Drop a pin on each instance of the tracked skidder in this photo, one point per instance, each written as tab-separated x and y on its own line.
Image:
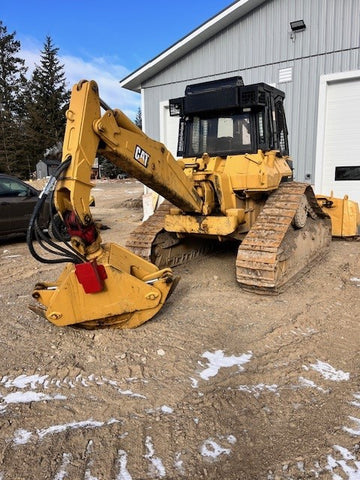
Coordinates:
234	183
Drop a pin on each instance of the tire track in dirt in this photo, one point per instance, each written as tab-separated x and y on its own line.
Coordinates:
160	423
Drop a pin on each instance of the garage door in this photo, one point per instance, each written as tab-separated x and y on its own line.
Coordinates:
340	169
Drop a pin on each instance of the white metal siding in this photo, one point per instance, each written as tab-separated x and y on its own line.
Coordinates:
263	38
168	128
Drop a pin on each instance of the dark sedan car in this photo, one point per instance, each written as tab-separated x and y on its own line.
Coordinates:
17	202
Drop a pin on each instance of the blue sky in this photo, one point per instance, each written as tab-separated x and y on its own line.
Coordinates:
104	41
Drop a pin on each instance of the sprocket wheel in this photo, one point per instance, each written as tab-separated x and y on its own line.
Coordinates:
303	211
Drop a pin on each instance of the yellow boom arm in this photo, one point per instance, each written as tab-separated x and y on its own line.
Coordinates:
118	139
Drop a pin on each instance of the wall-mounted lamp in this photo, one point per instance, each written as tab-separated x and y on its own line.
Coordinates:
297	26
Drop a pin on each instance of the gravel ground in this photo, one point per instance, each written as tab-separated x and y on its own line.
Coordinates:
221	384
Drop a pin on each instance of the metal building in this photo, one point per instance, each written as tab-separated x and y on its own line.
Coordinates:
310	49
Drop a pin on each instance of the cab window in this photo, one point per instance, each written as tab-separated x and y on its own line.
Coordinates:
228	134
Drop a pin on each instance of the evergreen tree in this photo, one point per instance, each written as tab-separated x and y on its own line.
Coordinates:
138	118
47	102
110	170
12	104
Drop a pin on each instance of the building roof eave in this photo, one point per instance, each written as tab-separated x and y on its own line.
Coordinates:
236	10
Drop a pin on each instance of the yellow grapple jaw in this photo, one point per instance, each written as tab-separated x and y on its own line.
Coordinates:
344	214
118	290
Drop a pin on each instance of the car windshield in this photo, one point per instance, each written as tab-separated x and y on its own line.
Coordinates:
12	188
218	135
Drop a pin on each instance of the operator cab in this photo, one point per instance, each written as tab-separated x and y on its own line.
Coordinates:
224	117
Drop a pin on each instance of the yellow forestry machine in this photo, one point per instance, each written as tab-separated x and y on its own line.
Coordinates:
234	183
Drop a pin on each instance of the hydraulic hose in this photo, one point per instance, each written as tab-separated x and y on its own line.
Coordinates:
34	232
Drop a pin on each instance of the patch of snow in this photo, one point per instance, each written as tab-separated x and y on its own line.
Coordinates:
65	462
245	388
218	360
23	381
89	449
228	438
110	382
113	420
257	389
157	468
300	466
179	464
22	436
344	452
305	382
67	381
355	402
213	450
122	464
194	382
28	397
131	394
351	469
36	381
74	425
69	426
353	431
329	372
231	439
166	409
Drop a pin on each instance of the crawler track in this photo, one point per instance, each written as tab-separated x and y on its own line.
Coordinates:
151	242
141	240
274	251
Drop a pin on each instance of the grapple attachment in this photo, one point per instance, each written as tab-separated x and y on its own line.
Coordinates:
118	290
344	214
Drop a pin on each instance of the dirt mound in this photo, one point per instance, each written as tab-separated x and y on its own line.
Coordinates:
131	203
39	184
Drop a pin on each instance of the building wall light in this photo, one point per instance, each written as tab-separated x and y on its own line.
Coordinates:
297	26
